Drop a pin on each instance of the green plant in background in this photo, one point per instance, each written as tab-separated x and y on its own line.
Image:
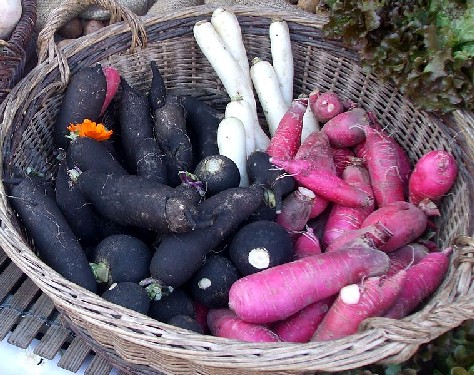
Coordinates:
423	47
450	354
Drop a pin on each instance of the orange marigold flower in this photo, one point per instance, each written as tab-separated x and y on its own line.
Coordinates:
90	129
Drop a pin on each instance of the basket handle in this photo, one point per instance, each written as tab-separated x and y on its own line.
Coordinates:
47	48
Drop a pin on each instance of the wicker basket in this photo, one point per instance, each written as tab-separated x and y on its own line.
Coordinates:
15	56
142	345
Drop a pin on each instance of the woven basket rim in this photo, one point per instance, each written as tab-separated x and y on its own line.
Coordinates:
66	294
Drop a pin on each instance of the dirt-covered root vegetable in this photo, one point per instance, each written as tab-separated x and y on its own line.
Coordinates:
300	327
87	154
374	235
306	244
76	209
287	137
113	79
347	128
422	280
404	220
342	218
296	210
202	122
406	256
177	302
178	256
325	105
136	122
217	173
150	162
171	134
261	171
324	183
157	93
53	238
210	285
128	294
355	303
260	245
224	323
186	322
278	292
137	201
433	176
83	99
316	149
383	163
119	258
342	158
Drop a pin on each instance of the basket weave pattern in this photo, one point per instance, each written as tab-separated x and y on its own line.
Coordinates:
145	346
18	50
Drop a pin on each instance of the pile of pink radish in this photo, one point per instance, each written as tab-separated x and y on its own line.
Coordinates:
360	217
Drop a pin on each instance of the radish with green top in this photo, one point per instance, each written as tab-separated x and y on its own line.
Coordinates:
279	292
267	87
282	57
231	142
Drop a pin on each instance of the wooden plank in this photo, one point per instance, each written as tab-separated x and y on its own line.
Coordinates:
31	324
10	314
53	339
3	256
74	355
98	366
8	279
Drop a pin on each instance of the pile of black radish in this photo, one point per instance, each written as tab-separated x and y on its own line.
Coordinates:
203	220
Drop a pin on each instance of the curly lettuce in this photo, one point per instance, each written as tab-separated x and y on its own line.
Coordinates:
423	47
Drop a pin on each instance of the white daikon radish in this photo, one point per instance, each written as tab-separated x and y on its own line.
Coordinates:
231	143
240	109
10	14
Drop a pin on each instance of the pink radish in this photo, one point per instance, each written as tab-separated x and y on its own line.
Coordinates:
404	220
406	256
383	163
287	138
278	292
325	105
347	128
319	205
224	323
374	235
342	218
356	303
112	77
422	280
343	157
295	210
301	326
306	244
324	183
201	315
433	176
317	150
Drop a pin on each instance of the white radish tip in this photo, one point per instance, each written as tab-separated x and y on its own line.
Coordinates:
350	294
306	192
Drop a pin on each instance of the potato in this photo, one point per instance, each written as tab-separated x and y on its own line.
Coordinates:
92	26
71	30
